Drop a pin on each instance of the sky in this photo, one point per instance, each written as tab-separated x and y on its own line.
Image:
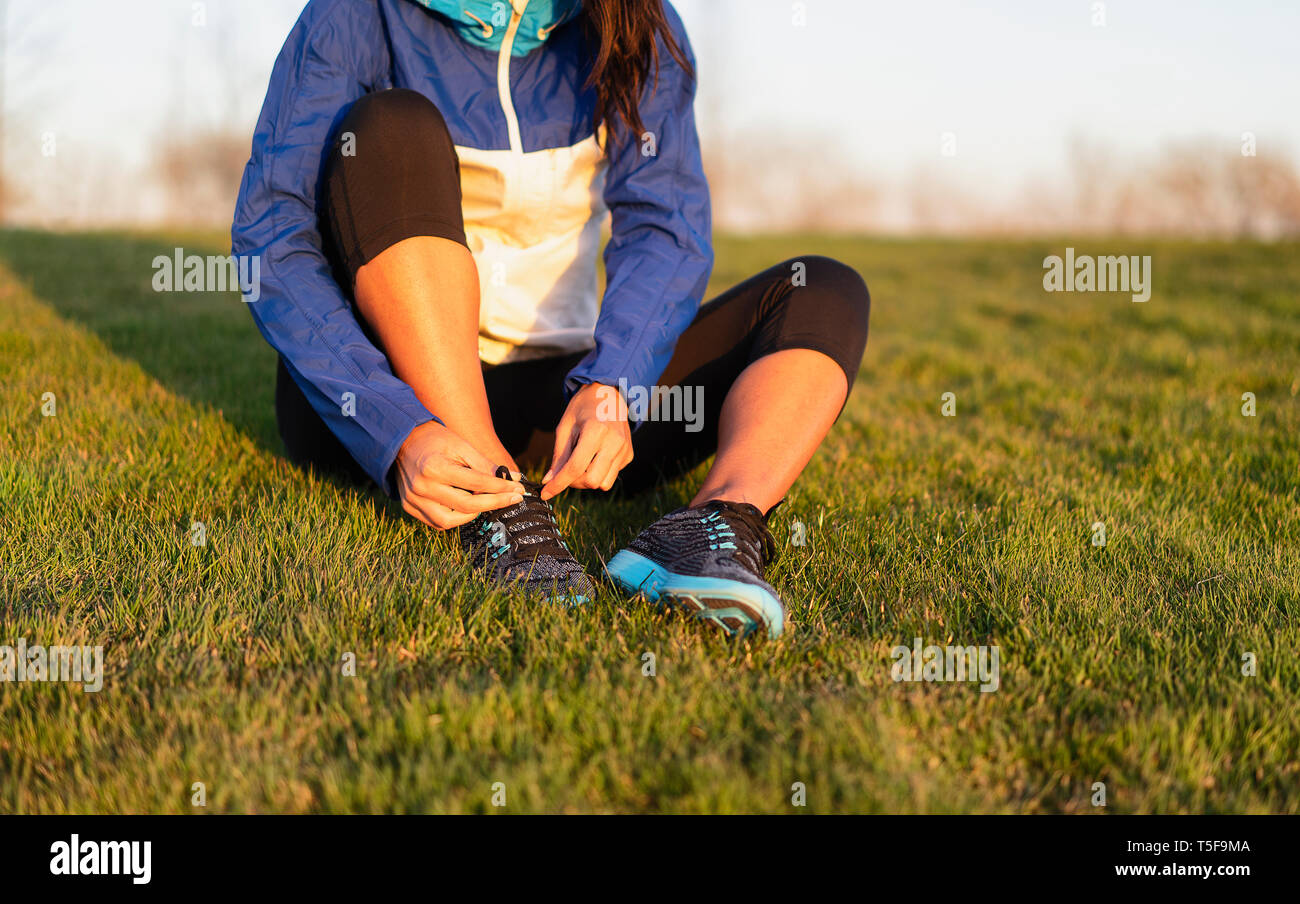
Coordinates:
990	94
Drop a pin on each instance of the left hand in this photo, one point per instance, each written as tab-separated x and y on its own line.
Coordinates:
592	442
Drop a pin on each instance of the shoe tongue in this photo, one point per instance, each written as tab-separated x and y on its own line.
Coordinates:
755	521
532	526
740	508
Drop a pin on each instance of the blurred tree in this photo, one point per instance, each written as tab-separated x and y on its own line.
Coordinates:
30	33
200	155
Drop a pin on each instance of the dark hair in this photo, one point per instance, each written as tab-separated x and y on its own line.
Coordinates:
624	33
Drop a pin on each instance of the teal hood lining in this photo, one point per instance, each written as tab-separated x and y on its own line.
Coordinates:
483	23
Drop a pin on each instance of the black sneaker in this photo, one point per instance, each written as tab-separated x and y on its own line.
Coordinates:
709	559
521	544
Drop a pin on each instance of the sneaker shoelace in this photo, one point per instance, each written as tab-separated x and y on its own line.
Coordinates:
530	528
729	521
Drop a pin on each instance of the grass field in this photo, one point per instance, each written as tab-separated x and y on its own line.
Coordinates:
1120	663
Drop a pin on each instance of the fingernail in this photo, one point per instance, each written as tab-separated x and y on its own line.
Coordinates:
547	476
516	498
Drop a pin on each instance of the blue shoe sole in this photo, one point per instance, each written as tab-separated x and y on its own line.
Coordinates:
736	607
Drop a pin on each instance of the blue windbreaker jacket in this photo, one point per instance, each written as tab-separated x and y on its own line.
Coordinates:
508	78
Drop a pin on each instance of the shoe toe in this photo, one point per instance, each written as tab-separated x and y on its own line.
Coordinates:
555	579
578	587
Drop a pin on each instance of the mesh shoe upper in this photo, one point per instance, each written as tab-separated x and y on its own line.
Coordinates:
718	539
522	543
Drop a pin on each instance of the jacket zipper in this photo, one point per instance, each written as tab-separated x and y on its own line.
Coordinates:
503	75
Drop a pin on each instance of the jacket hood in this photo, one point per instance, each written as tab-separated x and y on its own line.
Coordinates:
484	23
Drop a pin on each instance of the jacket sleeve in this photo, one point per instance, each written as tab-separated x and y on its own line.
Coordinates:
660	251
335	54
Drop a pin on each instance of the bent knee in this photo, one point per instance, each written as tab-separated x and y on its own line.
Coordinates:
826	309
391	174
397	122
837	289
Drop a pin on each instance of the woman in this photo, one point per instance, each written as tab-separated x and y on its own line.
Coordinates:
426	192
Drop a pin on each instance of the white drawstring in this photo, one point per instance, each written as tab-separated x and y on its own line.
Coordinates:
487	29
542	33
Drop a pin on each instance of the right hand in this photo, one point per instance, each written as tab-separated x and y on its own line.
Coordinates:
445	482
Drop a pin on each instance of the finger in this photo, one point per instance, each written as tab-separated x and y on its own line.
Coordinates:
416	511
608	483
624	460
617	458
450	520
604	467
560	454
472	503
473	458
584	447
433	514
583	452
463	477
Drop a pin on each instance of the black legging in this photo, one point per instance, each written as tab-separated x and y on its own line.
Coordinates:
404	181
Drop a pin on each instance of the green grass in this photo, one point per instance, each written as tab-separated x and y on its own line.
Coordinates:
1120	664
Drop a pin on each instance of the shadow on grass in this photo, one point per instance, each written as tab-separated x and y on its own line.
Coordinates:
201	346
